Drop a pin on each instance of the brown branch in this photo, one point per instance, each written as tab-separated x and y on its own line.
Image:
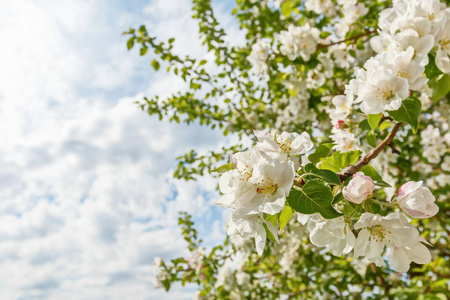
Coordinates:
384	118
352	169
322	46
394	150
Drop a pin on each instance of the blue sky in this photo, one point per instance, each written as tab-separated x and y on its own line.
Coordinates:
87	197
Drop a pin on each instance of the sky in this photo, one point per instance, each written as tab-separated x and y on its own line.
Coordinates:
87	197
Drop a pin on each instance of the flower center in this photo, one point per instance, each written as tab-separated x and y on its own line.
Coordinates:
403	73
247	172
445	42
285	145
379	233
386	93
431	16
267	187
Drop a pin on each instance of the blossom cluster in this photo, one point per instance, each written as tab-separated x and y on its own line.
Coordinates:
160	273
409	30
376	231
260	181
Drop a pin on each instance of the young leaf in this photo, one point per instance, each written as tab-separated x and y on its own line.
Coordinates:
373	121
326	175
368	170
339	161
409	112
371	139
130	42
224	168
269	233
338	198
144	50
272	219
285	216
155	64
322	151
314	197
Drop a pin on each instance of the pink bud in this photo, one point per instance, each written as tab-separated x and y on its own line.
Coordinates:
358	188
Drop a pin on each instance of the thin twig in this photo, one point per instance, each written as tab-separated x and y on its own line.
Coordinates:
394	150
322	46
352	169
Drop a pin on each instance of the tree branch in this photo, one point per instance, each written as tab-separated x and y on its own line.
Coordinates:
322	46
352	169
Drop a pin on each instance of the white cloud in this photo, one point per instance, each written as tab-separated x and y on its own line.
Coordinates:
85	181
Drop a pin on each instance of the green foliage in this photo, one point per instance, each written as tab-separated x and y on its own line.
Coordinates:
374	120
322	151
230	99
368	170
338	161
440	85
328	176
314	197
409	112
188	231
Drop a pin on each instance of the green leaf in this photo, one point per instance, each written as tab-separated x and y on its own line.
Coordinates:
130	42
269	234
166	284
440	85
287	8
338	198
371	139
155	64
373	121
285	216
144	50
314	197
339	161
224	168
324	34
408	112
322	151
326	175
272	219
202	62
370	171
385	125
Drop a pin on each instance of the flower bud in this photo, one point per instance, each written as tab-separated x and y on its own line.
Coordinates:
358	188
339	124
416	200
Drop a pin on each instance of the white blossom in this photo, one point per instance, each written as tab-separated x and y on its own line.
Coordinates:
266	190
325	7
446	164
416	200
395	232
159	273
298	41
224	276
384	92
443	49
334	234
258	58
344	141
284	146
251	226
404	66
